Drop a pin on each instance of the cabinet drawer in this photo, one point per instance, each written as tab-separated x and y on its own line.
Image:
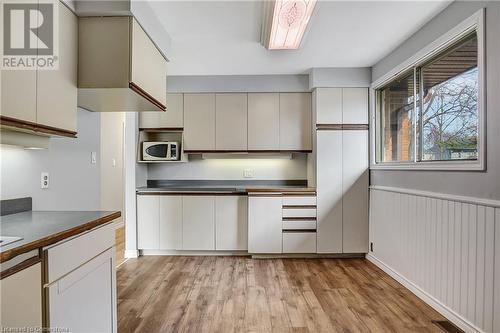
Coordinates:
299	242
299	212
299	225
299	200
67	256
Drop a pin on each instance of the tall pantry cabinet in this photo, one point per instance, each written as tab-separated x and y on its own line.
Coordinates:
340	169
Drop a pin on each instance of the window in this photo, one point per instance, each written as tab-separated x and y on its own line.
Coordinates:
430	114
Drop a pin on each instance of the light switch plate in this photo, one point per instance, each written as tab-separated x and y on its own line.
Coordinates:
248	173
44	180
93	157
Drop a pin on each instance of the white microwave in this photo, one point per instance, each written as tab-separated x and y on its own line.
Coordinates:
160	151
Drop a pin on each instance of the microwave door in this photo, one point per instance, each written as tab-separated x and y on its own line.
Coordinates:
158	151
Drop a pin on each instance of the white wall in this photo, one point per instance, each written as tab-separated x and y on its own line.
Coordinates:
74	181
112	177
219	169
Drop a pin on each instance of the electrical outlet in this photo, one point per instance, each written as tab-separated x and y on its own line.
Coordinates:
44	180
248	173
93	157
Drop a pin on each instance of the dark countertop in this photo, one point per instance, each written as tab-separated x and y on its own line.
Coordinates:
223	187
42	228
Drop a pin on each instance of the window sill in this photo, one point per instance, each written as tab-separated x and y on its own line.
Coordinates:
431	166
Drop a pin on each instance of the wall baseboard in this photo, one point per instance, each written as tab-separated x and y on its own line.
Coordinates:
434	303
131	254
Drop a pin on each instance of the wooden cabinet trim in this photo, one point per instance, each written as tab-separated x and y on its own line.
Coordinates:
30	126
19	267
147	96
340	127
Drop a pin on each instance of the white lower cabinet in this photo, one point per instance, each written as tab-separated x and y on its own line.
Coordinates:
198	222
231	223
81	282
85	299
170	226
148	222
265	224
299	242
21	298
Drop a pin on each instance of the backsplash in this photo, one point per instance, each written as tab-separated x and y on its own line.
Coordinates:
233	169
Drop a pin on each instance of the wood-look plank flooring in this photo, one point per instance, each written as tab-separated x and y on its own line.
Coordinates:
120	245
239	294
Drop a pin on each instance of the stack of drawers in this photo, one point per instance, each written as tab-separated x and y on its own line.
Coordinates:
299	222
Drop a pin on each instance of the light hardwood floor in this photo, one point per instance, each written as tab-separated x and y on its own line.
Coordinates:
120	245
239	294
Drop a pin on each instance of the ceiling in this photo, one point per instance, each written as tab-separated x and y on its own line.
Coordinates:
223	37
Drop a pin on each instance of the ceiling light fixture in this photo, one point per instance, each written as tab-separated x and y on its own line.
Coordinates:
284	23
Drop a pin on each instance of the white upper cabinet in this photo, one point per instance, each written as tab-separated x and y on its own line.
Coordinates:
231	223
57	89
149	67
355	105
231	121
199	121
47	99
263	121
119	67
295	121
173	118
198	225
328	105
19	94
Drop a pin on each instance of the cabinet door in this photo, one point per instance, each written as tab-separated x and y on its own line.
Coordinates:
231	121
170	222
231	223
355	191
148	222
295	121
199	121
263	121
57	89
21	298
328	102
355	105
91	290
264	224
19	94
172	118
198	223
149	67
329	191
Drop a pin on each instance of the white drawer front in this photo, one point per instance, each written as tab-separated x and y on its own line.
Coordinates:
67	256
300	212
299	242
299	201
299	225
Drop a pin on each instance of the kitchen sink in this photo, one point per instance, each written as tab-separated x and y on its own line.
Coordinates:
5	240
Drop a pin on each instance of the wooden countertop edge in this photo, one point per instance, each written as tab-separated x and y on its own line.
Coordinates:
54	238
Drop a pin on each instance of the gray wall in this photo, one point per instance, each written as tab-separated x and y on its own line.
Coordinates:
475	184
74	181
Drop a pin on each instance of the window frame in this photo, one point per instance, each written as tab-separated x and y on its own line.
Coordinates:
474	23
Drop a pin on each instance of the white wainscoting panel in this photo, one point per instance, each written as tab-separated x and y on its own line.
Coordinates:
447	251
